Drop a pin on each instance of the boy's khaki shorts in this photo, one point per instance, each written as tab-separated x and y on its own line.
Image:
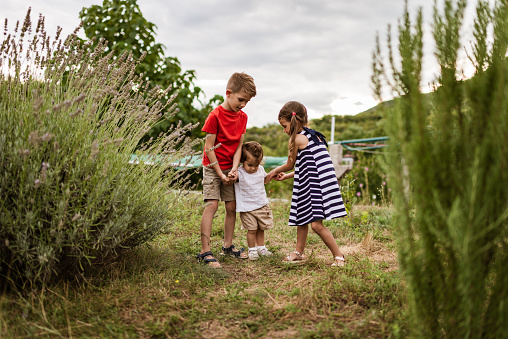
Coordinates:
261	218
214	189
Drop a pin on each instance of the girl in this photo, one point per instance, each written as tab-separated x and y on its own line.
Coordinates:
316	194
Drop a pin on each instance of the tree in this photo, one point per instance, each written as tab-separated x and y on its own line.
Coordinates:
121	23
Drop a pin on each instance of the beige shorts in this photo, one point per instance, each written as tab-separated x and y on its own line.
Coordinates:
261	218
214	189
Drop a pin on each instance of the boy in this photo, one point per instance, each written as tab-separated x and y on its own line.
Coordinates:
225	128
251	200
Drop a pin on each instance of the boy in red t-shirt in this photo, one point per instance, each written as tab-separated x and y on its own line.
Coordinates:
225	127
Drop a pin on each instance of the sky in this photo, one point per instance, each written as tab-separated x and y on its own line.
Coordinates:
317	52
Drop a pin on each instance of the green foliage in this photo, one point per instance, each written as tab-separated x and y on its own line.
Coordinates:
70	122
448	171
121	23
371	183
348	192
363	125
271	137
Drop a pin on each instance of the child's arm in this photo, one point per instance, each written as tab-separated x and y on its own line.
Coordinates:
267	179
301	142
210	153
233	174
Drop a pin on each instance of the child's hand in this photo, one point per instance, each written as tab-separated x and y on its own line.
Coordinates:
233	175
281	176
270	175
225	180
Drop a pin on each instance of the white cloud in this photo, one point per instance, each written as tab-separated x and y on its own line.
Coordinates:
314	51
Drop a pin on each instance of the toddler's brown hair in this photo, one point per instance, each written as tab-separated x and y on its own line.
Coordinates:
254	149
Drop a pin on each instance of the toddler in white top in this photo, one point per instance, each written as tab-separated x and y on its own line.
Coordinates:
251	201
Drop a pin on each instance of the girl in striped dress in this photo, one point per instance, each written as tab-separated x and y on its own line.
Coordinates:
316	193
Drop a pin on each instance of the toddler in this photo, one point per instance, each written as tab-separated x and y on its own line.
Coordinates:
251	200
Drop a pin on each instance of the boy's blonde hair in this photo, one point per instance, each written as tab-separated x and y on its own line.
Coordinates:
241	82
254	149
296	114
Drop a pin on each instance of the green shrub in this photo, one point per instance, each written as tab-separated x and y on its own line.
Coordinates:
371	182
449	174
71	119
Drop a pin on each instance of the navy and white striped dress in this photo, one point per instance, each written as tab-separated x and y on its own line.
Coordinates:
316	193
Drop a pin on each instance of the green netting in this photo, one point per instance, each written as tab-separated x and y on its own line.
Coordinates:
195	161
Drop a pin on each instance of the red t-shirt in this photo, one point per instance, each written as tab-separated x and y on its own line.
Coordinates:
228	126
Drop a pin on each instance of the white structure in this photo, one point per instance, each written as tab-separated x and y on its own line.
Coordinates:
341	165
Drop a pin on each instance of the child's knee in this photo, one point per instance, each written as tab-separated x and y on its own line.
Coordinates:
230	206
211	205
317	227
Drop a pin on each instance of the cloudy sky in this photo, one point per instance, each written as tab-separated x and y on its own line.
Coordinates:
317	52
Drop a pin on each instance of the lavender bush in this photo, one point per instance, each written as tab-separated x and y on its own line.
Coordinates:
71	118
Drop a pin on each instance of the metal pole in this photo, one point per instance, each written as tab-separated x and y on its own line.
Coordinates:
333	129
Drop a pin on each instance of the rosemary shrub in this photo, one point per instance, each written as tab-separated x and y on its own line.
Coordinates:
449	172
71	119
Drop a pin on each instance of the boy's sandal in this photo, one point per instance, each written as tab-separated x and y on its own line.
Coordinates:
207	261
236	254
339	262
300	258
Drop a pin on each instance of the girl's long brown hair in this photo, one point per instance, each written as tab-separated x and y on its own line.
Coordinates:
297	121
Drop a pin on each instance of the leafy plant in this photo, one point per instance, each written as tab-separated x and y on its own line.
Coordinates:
449	173
348	192
371	182
71	120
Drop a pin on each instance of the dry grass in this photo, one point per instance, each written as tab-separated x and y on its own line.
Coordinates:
161	291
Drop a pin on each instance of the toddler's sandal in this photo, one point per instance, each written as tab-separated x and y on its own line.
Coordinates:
300	258
212	262
339	262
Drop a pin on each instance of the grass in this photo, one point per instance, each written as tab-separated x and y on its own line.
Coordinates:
159	289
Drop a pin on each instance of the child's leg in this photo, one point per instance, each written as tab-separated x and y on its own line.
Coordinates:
251	238
301	239
229	223
327	237
251	242
229	227
260	238
206	223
